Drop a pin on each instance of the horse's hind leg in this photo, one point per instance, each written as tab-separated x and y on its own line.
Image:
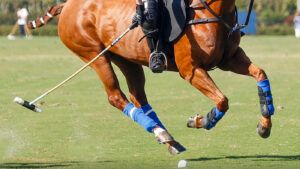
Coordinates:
136	82
241	64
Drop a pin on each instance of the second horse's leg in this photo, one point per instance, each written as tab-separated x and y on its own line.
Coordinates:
241	64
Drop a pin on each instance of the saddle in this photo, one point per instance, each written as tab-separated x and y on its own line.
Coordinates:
173	20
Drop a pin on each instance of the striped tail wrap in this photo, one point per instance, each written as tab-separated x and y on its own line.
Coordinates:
51	13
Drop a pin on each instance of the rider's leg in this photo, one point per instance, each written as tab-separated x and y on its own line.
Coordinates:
151	29
241	64
139	15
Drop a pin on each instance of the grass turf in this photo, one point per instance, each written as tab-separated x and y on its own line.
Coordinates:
79	129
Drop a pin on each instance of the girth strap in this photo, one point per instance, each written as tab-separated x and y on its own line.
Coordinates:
218	18
208	20
203	21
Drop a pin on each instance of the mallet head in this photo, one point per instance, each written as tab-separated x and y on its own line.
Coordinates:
27	104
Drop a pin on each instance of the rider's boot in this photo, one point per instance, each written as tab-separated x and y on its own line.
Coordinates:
157	59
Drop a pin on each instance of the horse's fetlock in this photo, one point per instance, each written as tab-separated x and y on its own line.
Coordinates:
116	100
223	104
260	75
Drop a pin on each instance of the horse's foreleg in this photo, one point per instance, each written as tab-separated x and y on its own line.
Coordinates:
135	78
116	97
241	64
201	80
104	70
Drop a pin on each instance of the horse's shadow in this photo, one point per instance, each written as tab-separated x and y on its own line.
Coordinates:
252	157
47	165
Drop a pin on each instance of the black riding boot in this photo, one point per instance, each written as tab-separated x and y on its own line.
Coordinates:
157	61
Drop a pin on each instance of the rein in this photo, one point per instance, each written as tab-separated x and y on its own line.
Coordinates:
219	18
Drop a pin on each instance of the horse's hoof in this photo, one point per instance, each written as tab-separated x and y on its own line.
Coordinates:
163	137
195	121
175	148
263	131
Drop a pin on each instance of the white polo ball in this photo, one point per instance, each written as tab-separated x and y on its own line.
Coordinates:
182	164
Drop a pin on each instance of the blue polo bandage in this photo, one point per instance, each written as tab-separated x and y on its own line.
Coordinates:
147	109
212	118
265	97
139	117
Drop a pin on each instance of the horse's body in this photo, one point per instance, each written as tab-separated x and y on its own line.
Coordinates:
88	26
107	19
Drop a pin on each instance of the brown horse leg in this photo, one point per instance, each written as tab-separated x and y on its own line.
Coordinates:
135	78
104	70
116	97
241	64
201	80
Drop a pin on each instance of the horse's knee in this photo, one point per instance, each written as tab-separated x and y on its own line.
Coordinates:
117	100
223	105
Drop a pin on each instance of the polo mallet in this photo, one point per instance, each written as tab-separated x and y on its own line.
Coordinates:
31	105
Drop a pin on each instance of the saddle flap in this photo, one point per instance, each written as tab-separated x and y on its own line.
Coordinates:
174	19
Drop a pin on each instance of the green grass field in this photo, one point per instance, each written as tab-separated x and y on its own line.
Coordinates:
79	129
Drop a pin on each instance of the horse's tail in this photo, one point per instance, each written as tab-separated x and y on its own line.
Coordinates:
41	21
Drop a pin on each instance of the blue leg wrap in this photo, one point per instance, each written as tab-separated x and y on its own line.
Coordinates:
139	117
147	109
265	97
212	118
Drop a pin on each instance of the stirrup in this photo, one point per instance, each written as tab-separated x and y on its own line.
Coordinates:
195	121
158	68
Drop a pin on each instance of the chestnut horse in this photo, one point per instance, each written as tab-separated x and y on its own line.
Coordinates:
87	26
